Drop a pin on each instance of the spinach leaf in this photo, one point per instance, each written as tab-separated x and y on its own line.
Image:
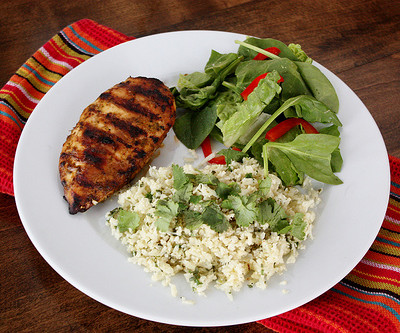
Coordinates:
293	84
284	167
330	130
193	127
298	100
311	154
336	160
313	111
248	70
319	84
264	43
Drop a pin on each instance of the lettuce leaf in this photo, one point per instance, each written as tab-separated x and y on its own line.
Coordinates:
197	88
246	113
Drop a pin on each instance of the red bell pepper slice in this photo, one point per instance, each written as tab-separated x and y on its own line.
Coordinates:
277	131
207	150
206	146
218	160
245	93
273	50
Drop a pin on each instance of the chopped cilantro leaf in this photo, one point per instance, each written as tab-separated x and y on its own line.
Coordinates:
262	192
224	190
180	178
166	212
264	186
149	196
273	214
245	212
127	220
298	226
226	204
213	217
208	179
283	227
232	155
195	276
163	223
184	193
192	219
195	199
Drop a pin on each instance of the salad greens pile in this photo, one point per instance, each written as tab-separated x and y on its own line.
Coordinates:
243	99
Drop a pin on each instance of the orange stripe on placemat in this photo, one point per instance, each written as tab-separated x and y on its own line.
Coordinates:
60	68
9	117
19	81
391	224
378	258
361	271
43	74
394	206
62	54
15	100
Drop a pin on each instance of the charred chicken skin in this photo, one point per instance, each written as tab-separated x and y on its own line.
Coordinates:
114	139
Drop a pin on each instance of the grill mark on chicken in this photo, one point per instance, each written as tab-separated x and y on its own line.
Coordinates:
113	140
124	125
130	105
156	95
98	135
154	138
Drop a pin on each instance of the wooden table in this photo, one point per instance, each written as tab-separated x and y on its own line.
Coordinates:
359	40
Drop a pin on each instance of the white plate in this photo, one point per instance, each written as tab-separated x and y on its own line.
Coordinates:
81	249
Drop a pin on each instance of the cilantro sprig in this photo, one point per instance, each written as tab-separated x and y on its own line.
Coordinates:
126	219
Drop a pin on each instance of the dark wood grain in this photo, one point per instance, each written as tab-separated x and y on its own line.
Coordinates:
358	40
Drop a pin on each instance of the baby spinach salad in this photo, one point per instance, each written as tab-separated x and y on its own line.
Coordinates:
267	101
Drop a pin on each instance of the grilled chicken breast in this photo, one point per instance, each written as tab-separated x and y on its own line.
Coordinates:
114	139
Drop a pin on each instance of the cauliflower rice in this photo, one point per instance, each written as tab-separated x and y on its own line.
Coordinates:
227	260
